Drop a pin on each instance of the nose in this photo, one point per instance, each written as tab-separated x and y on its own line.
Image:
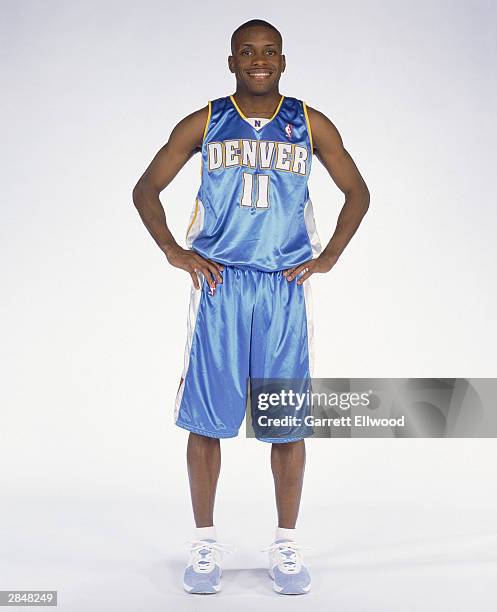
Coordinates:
259	58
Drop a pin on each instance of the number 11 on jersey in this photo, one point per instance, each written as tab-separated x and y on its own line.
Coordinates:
262	197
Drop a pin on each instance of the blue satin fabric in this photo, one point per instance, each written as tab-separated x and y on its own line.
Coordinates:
269	239
253	326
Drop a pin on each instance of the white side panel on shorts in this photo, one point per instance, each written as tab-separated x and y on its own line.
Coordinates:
309	310
195	296
196	222
312	232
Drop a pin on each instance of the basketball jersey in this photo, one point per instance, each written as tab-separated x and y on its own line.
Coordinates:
253	207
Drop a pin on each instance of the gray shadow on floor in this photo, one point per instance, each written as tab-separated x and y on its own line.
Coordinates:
166	576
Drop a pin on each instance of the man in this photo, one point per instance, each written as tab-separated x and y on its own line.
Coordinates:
252	247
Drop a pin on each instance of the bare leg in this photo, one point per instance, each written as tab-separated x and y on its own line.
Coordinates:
204	464
288	465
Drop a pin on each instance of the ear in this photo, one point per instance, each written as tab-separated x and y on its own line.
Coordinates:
283	63
231	63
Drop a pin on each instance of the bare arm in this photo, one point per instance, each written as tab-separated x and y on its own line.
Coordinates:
329	149
185	140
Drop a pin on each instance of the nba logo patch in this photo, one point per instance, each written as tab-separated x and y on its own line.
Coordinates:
288	131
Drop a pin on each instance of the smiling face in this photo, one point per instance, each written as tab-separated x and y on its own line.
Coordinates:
257	60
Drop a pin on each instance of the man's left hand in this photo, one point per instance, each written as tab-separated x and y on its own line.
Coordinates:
323	263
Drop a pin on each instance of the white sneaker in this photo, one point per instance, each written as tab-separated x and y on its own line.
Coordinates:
203	572
286	568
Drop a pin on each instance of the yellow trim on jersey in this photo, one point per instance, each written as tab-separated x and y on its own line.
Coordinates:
209	112
247	119
308	125
208	120
194	217
277	108
238	109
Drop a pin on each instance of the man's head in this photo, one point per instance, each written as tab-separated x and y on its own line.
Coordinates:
256	56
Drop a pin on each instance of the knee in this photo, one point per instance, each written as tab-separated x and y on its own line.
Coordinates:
202	445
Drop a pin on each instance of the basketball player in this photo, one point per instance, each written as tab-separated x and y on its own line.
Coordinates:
252	246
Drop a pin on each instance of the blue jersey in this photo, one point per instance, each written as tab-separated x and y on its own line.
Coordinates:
253	207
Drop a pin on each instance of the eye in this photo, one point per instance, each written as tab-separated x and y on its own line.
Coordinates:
246	52
271	51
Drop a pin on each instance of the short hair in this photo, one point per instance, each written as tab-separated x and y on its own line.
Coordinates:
253	23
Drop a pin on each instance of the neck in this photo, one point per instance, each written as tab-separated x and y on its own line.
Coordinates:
262	105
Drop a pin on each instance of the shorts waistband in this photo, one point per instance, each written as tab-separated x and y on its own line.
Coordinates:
249	268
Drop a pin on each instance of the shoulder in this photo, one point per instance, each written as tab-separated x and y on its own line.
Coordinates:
196	119
292	103
318	119
191	128
323	129
194	126
221	102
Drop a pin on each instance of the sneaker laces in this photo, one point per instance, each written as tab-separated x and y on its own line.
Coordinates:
203	553
288	553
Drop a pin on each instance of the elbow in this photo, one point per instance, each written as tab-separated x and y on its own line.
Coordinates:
143	193
138	195
135	194
366	199
359	196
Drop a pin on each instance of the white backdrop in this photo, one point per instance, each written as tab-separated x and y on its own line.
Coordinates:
94	490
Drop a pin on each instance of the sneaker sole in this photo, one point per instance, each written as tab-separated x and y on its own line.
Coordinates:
214	589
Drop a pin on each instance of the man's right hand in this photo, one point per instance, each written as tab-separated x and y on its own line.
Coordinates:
192	262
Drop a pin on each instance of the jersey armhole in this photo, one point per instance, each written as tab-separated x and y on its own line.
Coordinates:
308	126
209	113
208	120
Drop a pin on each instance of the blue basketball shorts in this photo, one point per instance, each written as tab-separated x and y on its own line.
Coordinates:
256	325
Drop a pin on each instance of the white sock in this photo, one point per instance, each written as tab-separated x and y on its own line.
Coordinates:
204	533
284	534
